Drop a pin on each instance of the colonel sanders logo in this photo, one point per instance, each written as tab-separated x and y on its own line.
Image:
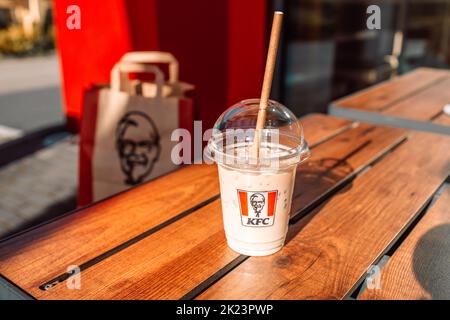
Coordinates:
257	208
137	145
257	202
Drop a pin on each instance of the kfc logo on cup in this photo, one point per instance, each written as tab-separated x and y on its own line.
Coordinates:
257	207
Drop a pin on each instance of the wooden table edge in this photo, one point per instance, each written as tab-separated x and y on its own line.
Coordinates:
395	78
381	119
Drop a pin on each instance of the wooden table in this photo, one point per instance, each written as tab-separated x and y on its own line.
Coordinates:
367	193
415	101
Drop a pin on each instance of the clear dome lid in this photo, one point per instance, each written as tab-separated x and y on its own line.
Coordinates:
281	140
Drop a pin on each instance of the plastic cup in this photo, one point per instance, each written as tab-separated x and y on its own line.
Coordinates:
256	192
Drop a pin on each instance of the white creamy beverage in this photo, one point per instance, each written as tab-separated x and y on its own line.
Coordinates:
256	208
256	186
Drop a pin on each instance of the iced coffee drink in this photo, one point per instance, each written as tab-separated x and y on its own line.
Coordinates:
256	194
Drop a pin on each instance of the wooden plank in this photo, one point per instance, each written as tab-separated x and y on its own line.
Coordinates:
330	250
319	127
423	106
45	252
419	268
178	258
381	96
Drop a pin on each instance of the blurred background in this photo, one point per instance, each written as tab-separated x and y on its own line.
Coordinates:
45	69
328	48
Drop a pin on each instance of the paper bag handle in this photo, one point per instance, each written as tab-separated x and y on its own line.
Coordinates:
155	57
122	68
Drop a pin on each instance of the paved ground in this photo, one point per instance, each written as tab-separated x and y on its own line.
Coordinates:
42	185
38	187
30	94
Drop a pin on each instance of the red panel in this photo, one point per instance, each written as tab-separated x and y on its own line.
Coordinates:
247	49
87	144
87	55
196	33
221	48
220	45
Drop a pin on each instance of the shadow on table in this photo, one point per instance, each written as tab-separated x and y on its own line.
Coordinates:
315	181
431	262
